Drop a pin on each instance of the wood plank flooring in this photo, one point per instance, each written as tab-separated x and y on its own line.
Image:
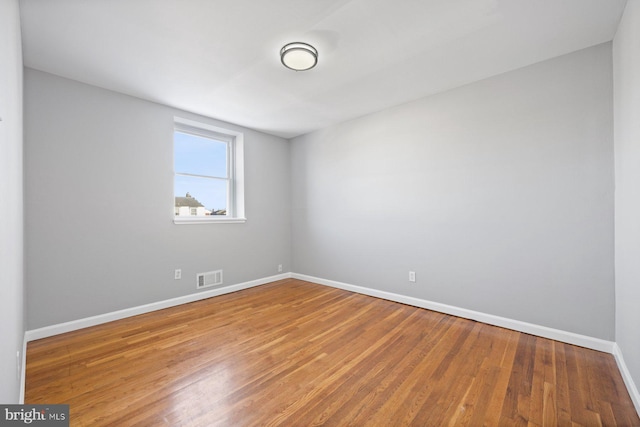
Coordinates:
294	353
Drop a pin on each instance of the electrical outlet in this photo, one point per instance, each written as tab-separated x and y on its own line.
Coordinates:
178	274
412	276
279	268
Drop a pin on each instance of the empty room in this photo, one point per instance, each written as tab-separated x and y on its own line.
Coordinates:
320	212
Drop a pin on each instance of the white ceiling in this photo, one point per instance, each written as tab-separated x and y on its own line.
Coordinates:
220	58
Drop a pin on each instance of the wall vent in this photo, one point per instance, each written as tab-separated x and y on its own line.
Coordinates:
210	278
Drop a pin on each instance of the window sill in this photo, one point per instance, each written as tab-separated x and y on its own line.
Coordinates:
208	220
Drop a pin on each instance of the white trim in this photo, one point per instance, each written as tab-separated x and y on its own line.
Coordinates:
626	376
208	220
516	325
235	170
74	325
23	370
195	124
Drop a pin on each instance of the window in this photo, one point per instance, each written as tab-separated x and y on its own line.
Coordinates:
208	173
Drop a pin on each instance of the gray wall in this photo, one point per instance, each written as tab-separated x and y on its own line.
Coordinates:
627	202
499	195
11	201
99	197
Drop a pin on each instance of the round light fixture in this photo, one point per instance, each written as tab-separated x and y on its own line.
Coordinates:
299	56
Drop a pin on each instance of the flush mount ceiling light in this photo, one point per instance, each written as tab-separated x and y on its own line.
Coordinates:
299	56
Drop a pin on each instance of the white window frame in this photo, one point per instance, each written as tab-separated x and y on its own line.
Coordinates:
235	171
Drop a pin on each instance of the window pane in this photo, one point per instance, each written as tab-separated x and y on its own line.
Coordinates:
199	156
207	196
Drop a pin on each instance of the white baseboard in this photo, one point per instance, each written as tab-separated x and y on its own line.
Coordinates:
626	376
23	369
529	328
73	325
516	325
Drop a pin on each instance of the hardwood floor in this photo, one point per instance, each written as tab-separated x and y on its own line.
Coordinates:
295	353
